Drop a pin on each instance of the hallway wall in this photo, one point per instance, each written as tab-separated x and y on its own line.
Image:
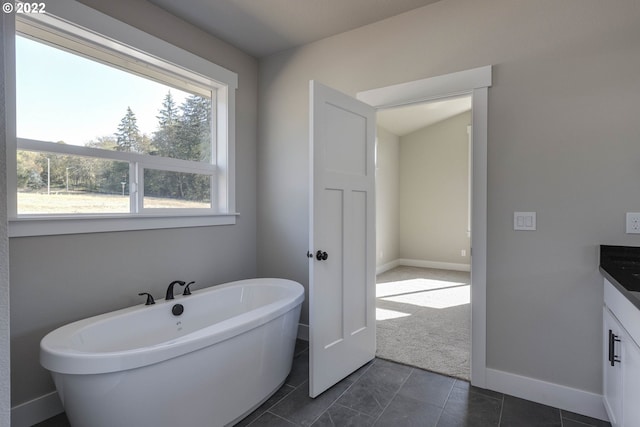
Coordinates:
434	186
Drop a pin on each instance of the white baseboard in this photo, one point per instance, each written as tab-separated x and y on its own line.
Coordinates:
37	410
422	263
303	332
387	266
434	264
559	396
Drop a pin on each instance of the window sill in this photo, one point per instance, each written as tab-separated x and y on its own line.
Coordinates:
25	227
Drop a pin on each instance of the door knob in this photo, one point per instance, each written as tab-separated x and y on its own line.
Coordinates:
321	256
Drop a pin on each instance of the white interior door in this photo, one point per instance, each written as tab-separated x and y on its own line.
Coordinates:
341	237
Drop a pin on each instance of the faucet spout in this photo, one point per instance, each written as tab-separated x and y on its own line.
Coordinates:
170	288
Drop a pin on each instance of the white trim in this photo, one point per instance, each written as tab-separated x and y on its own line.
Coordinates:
303	332
474	82
429	89
469	178
479	130
104	25
434	264
9	35
78	18
94	47
551	394
387	266
422	263
6	49
147	160
99	224
37	410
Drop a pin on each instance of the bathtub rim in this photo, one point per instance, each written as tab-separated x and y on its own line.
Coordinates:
61	359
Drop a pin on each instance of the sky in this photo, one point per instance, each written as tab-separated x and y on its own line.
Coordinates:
65	97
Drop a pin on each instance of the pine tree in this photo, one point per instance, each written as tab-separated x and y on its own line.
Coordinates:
183	132
128	136
168	115
164	138
195	129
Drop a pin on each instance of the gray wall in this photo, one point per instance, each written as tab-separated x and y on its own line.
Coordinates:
387	196
563	140
5	394
434	185
58	279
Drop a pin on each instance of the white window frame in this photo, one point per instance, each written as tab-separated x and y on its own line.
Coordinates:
139	45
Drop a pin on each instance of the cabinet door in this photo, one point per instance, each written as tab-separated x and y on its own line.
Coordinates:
612	375
631	383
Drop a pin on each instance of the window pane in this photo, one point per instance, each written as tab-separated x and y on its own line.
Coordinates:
171	190
63	184
82	101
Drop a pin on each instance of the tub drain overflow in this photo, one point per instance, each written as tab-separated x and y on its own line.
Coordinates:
177	309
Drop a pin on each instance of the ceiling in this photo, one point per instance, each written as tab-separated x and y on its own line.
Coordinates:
406	119
263	27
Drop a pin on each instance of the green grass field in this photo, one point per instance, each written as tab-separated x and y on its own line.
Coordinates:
62	202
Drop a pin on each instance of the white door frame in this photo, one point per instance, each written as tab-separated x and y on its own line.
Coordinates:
474	82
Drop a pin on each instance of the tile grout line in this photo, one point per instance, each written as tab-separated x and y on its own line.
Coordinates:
447	400
562	418
350	409
393	397
501	410
275	415
283	397
341	394
268	409
271	407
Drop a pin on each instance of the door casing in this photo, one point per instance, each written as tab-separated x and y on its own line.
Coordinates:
474	82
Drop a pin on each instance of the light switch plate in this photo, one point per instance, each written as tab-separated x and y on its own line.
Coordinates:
633	222
524	220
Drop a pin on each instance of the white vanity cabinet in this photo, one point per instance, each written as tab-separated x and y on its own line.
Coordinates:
612	372
631	385
621	371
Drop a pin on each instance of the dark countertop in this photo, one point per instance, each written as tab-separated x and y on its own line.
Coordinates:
621	266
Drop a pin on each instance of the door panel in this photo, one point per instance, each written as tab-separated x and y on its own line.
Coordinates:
332	297
347	158
356	259
342	224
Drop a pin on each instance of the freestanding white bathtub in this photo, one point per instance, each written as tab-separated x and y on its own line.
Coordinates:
229	351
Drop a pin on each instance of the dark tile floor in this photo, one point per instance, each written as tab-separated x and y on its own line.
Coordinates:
384	393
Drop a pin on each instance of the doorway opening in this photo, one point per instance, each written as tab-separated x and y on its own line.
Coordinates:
474	82
423	228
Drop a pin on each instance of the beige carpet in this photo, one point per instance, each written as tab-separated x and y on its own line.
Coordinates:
423	319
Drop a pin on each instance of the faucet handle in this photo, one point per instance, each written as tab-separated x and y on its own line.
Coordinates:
187	291
150	300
